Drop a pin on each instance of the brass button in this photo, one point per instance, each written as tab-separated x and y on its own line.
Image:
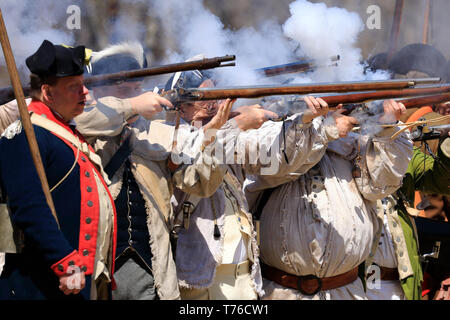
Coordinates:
88	220
84	268
85	252
71	263
87	174
83	159
60	267
90	203
87	237
89	189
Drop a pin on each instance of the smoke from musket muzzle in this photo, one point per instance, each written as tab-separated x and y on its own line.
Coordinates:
323	32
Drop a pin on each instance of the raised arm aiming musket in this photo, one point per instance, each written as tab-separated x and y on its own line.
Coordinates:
7	94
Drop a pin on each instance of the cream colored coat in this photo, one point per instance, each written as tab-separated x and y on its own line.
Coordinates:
320	220
102	125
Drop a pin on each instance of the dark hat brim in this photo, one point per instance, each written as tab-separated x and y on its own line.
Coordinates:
58	61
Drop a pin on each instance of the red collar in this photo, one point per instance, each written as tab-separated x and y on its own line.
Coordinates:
42	109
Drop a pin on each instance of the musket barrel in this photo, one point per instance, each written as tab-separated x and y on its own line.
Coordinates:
417	102
335	100
303	65
425	101
202	94
158	70
7	94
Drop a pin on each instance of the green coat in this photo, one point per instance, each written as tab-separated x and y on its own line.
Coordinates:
430	176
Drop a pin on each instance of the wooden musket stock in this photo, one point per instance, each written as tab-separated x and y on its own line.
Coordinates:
203	94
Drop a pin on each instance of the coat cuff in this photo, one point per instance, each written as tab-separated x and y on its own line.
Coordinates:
61	268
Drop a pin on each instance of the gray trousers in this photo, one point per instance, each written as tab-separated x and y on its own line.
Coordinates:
133	283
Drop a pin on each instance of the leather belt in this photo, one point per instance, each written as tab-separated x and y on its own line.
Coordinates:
234	269
308	285
387	273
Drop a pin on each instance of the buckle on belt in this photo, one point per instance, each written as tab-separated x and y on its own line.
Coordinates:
314	289
188	207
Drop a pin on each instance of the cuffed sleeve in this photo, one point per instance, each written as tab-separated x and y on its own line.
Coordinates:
65	265
383	164
200	171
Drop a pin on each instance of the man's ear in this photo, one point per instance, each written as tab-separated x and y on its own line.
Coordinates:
181	111
47	94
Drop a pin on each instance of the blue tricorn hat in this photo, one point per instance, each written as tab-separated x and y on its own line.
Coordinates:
116	58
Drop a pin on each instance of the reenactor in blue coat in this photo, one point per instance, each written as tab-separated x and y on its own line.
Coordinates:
72	260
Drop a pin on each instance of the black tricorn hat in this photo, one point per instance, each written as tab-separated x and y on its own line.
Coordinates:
56	60
418	57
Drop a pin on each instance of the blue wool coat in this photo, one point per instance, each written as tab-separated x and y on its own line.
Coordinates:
32	274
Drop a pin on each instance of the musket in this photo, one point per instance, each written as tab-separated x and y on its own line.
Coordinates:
181	95
304	65
425	101
425	133
203	64
364	97
7	94
423	97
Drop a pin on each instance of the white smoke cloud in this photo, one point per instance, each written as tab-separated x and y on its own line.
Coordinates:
196	30
29	22
320	33
324	32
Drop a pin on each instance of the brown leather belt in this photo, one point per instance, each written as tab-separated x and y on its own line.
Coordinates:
387	273
310	284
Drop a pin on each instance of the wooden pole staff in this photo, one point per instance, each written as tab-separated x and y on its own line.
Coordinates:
426	22
25	117
395	31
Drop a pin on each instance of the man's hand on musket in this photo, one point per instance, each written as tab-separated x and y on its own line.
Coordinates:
72	283
444	291
149	104
344	123
217	121
393	111
443	109
317	106
253	117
